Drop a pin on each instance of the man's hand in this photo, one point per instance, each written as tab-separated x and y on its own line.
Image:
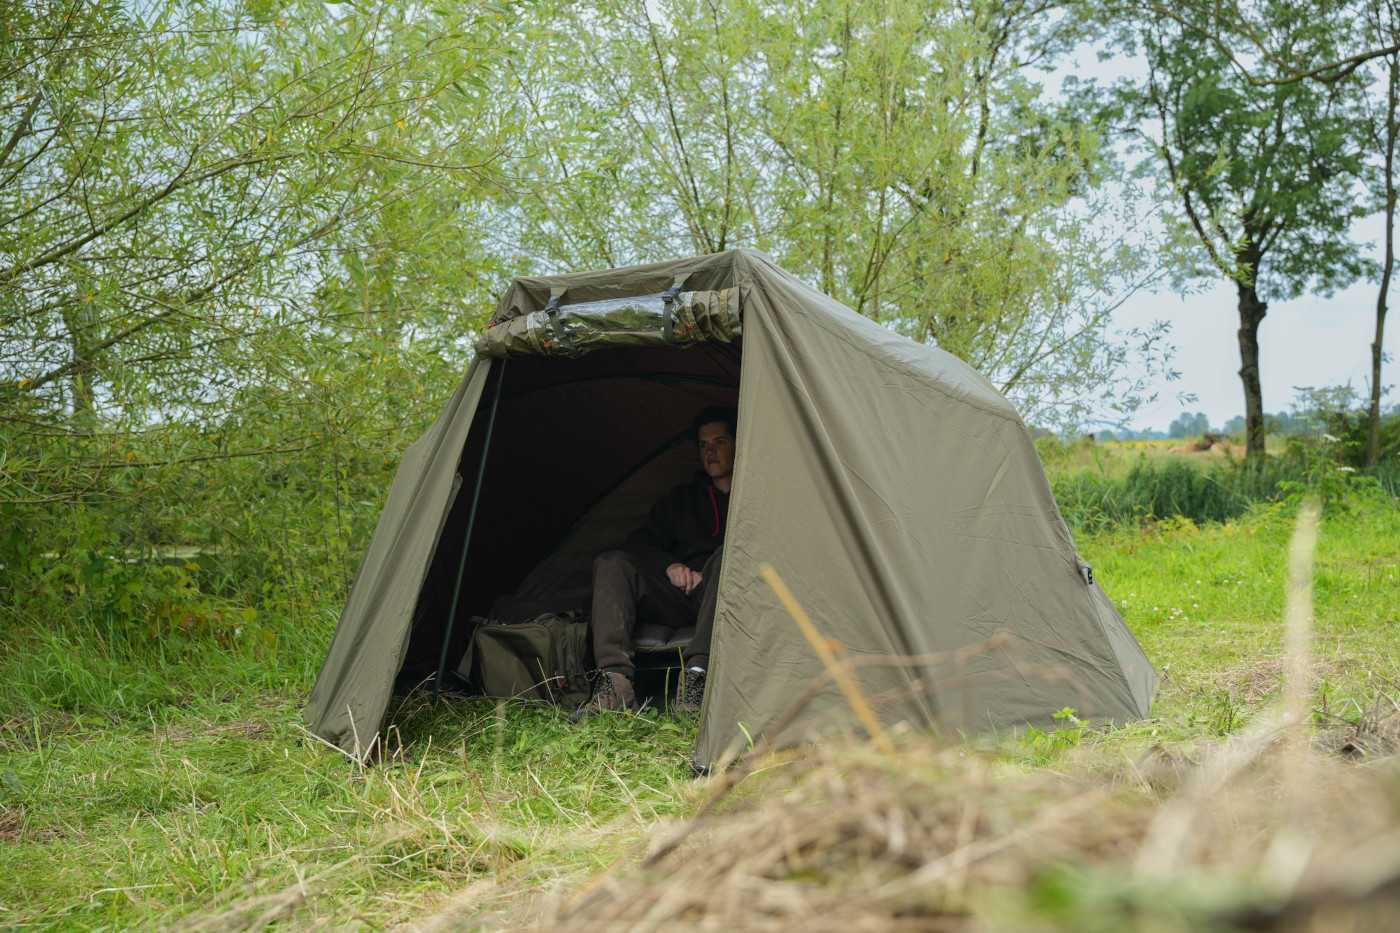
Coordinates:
682	577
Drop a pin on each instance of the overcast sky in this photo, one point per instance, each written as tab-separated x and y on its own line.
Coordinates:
1309	342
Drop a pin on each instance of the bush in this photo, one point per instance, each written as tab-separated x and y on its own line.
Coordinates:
1334	423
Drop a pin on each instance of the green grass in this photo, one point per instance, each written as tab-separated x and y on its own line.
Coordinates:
139	787
128	826
142	785
1206	603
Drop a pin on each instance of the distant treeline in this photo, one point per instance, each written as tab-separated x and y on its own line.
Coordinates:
1336	411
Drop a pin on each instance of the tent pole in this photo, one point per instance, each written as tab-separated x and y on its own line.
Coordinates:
467	538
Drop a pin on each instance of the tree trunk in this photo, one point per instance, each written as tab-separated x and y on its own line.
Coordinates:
80	381
1373	439
1252	312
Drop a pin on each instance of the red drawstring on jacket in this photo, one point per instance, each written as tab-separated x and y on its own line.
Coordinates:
715	506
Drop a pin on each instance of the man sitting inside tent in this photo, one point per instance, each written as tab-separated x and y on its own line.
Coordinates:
668	574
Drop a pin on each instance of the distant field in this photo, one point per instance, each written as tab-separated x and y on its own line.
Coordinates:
1113	458
176	790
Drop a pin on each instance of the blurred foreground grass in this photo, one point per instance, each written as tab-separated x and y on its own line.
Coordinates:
175	789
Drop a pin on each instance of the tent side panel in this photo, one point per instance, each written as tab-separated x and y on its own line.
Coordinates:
910	515
352	691
1143	679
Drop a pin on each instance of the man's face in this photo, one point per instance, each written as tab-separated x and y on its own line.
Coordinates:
716	450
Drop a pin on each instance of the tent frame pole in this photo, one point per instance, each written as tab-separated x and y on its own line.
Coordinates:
467	538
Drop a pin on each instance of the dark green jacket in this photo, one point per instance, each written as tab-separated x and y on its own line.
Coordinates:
686	526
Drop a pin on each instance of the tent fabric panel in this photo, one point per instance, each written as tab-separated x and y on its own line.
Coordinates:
1143	679
906	522
348	702
638	321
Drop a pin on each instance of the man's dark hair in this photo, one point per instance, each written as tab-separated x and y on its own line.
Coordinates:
730	417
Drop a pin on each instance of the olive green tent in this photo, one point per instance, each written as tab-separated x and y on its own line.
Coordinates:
896	492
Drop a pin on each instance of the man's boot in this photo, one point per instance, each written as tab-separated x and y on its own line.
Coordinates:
691	695
612	693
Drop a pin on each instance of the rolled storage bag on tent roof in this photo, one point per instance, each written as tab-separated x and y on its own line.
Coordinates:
662	319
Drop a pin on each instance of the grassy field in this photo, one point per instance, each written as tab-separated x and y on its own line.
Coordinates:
177	790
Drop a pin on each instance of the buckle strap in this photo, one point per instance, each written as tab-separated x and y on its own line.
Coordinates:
554	295
668	305
551	309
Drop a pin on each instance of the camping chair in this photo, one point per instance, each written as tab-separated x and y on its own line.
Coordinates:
657	648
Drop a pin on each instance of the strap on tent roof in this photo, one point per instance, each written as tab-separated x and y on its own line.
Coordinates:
668	303
566	340
673	318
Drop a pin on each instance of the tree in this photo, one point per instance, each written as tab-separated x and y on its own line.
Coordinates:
896	156
1262	178
1382	18
1247	35
1264	56
178	183
232	286
1189	425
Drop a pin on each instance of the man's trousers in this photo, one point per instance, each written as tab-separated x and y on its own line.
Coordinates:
625	592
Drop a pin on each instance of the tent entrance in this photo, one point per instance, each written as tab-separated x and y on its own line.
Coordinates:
581	449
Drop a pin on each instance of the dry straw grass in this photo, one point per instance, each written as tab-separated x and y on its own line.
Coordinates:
851	838
1265	830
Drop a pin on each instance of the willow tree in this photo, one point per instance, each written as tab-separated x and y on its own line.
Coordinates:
898	156
188	192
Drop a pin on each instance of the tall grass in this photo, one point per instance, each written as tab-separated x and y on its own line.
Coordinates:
92	665
1154	489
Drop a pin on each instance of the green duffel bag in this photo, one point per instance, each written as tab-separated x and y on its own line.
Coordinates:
546	658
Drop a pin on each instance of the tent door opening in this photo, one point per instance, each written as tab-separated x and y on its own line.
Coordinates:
580	450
